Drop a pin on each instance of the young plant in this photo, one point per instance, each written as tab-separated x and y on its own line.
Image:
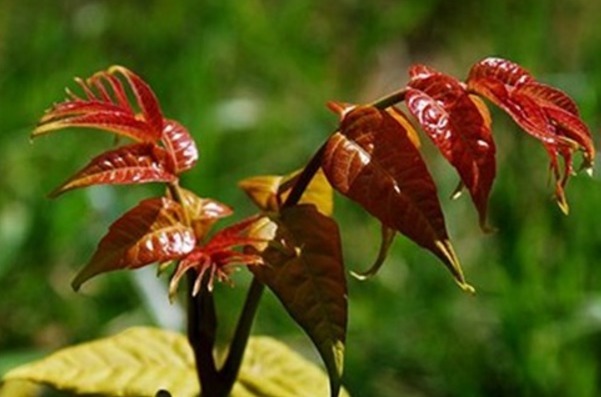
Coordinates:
292	245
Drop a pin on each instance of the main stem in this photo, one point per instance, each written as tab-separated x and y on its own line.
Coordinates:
201	310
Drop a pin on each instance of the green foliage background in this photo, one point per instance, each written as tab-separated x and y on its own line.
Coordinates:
249	79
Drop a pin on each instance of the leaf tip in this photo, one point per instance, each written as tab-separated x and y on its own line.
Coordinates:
465	287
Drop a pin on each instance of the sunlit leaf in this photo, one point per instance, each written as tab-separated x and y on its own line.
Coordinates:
304	268
106	107
373	162
202	212
136	163
153	231
458	128
268	192
141	361
544	112
180	144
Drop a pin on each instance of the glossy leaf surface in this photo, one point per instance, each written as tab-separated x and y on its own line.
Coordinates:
153	231
136	163
545	112
181	145
304	268
457	127
373	161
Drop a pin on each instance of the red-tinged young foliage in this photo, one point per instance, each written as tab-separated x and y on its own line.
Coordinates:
545	112
153	231
372	161
106	106
293	245
135	163
217	257
445	111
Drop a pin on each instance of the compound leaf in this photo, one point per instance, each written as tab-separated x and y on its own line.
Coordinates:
372	161
153	231
544	112
106	107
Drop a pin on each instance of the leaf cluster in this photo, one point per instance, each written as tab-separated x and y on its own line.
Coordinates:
292	245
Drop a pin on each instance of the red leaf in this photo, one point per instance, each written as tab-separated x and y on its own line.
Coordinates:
145	98
218	256
106	107
203	212
136	163
545	112
180	145
373	161
304	268
459	130
153	231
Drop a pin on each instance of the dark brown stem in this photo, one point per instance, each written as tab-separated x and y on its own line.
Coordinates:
305	178
390	99
202	323
229	371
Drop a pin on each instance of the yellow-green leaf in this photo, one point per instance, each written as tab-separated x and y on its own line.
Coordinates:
268	192
143	360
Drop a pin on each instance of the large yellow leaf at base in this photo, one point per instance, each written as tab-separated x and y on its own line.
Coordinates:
141	361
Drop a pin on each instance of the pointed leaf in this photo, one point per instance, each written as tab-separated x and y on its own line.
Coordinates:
457	127
136	163
268	192
544	112
145	99
153	231
373	162
106	107
387	237
141	361
304	268
181	145
202	212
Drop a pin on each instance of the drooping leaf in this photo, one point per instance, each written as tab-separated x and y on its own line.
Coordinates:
153	231
387	237
544	112
268	192
106	107
271	369
136	163
372	161
304	268
181	145
141	361
458	128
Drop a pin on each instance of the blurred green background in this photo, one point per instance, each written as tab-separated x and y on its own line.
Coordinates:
250	79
